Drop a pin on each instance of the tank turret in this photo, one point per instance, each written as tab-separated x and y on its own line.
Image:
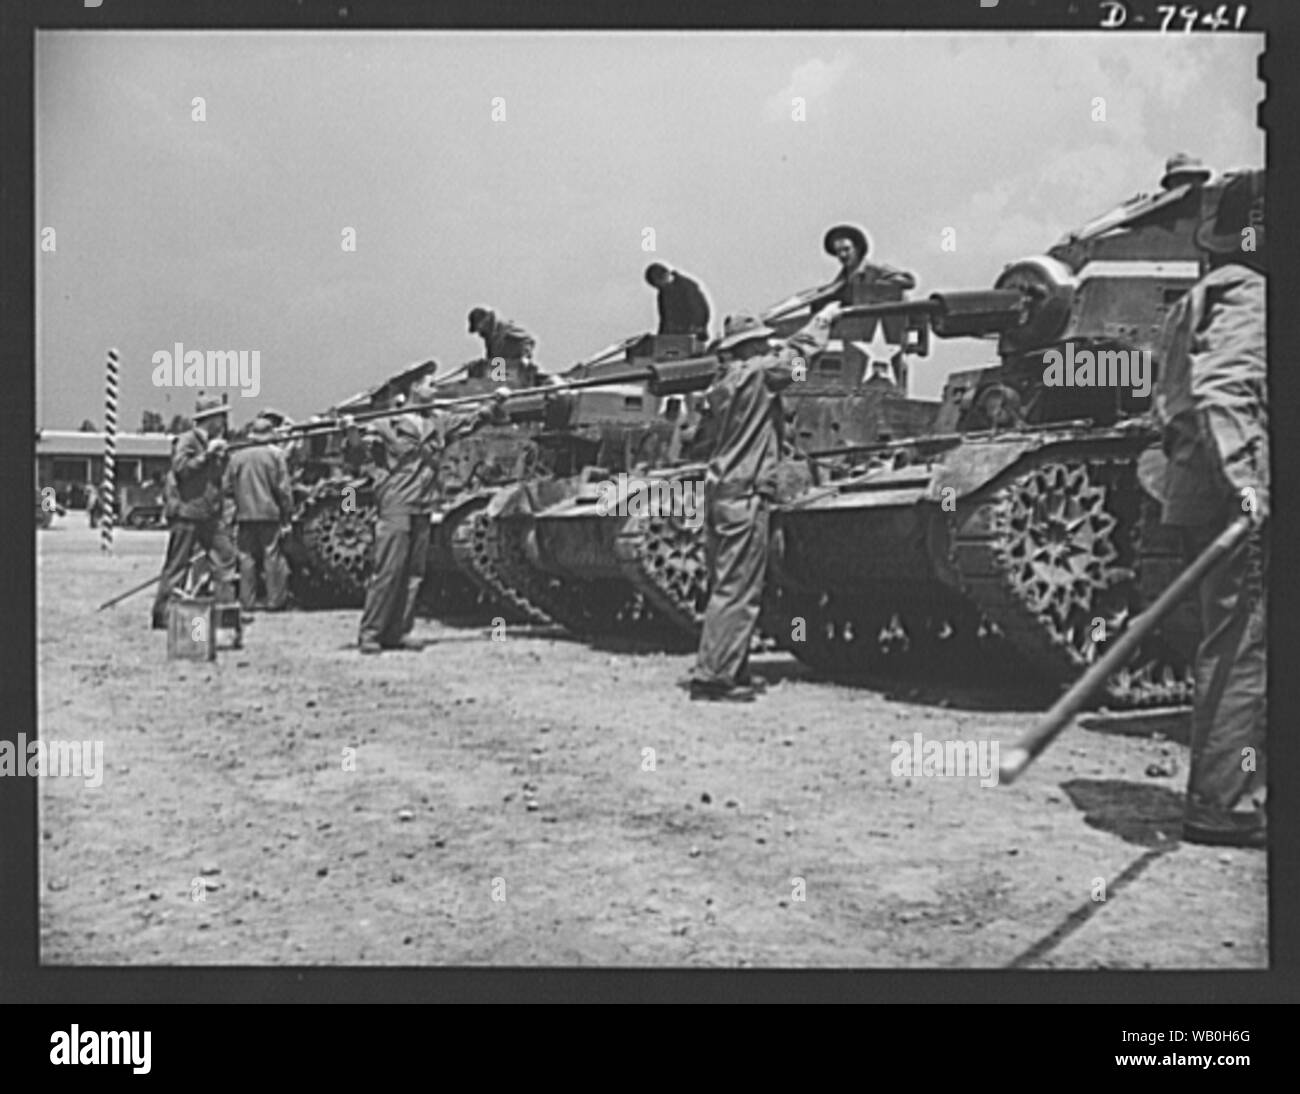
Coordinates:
1018	531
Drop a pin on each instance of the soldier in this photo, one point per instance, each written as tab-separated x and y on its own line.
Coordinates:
502	338
1182	168
1213	404
405	451
195	499
860	281
744	408
258	480
683	307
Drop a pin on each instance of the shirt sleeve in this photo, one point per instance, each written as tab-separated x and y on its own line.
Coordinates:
699	307
283	487
890	275
453	425
190	456
1228	359
520	338
795	351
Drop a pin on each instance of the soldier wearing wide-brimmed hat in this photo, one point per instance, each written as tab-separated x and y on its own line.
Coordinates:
195	506
744	419
1212	400
1181	169
860	281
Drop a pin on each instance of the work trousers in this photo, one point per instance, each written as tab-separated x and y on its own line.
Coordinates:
258	542
736	538
185	537
1226	783
401	544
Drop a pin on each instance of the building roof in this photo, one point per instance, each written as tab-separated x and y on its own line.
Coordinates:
67	442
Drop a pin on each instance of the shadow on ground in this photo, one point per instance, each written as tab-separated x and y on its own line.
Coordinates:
1148	816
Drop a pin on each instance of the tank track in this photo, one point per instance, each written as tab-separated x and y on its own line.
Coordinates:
666	561
476	543
464	527
601	606
493	552
1053	556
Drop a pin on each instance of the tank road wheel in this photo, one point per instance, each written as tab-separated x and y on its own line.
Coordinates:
1052	557
834	636
339	545
845	636
346	541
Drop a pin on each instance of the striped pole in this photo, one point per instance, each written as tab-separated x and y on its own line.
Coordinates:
109	489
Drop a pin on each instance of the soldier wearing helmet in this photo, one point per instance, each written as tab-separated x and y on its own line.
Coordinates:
860	281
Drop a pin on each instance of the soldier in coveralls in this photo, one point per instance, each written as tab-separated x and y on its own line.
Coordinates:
405	451
744	407
258	480
1212	400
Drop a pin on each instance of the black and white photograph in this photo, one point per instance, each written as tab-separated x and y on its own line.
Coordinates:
651	499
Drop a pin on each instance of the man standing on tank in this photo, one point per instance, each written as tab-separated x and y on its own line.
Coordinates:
683	307
1212	400
744	411
860	281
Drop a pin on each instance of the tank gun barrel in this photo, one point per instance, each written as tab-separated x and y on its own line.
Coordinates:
978	313
531	396
965	314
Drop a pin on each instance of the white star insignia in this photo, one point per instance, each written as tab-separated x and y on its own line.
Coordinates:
880	353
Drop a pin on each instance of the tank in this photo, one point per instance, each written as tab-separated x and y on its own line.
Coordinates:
333	526
626	548
588	438
585	437
551	438
1022	529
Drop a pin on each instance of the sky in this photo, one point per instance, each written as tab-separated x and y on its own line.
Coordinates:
227	233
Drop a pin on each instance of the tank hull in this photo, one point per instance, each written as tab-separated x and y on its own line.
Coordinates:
1023	554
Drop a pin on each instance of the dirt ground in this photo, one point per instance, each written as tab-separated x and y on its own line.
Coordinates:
501	809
